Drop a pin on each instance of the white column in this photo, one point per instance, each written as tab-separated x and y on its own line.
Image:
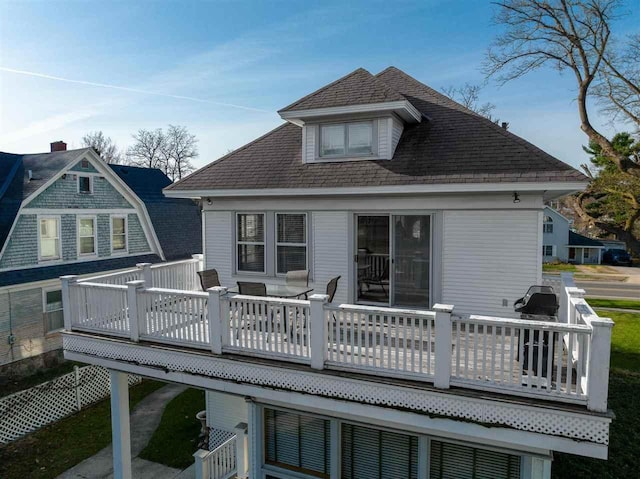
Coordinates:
120	431
598	368
318	330
443	344
135	319
67	281
242	451
215	318
255	439
146	274
536	467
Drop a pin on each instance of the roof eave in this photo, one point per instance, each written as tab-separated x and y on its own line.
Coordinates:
402	108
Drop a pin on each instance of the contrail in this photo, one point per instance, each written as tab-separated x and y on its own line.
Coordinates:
131	90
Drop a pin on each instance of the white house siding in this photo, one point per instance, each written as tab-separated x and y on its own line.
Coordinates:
309	134
218	246
383	138
489	257
396	132
331	251
225	411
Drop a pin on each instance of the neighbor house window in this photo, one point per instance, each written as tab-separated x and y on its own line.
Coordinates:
84	184
119	233
297	442
345	139
49	238
547	250
250	242
53	316
547	226
87	236
291	242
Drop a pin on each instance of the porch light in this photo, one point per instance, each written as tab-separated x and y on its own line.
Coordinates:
516	197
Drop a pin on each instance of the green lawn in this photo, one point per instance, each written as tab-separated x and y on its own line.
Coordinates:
614	303
175	440
558	267
53	449
624	400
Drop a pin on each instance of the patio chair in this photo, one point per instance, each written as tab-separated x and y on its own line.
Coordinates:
252	289
381	279
209	279
297	278
332	287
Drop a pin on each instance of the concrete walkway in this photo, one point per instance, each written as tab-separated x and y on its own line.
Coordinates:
145	418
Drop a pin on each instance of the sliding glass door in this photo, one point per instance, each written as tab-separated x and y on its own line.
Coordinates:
393	259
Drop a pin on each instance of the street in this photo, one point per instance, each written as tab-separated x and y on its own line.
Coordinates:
610	289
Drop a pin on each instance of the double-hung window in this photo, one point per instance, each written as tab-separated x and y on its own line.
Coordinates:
87	236
53	316
547	250
250	247
291	242
547	226
119	234
49	232
346	139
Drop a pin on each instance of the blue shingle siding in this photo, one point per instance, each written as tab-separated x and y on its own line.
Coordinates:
69	240
104	235
78	167
63	193
137	239
22	247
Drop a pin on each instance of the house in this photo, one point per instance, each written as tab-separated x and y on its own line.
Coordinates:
69	212
430	216
561	244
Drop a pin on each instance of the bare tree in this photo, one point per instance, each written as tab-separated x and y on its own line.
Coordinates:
180	148
469	97
147	150
104	145
569	35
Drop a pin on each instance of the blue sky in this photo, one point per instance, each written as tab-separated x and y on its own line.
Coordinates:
223	68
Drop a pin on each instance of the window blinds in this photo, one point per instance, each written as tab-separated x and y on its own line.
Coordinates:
454	461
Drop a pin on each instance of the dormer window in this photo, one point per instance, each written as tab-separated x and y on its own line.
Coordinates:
346	139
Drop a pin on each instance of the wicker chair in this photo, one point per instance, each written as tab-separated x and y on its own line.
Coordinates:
252	289
209	279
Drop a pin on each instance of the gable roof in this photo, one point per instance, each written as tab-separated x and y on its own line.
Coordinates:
453	145
177	222
576	239
357	88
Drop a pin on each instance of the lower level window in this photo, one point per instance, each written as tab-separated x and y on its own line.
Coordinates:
547	250
53	316
297	442
448	460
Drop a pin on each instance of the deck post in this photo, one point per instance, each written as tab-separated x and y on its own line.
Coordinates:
201	463
318	330
199	261
242	452
576	293
146	274
598	366
443	344
67	281
215	317
120	428
135	318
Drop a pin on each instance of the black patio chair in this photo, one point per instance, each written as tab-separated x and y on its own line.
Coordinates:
209	279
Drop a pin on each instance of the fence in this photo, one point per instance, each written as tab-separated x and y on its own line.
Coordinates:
221	463
31	409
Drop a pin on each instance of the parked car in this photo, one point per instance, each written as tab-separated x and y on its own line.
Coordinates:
617	256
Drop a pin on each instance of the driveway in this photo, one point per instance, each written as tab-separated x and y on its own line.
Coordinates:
632	273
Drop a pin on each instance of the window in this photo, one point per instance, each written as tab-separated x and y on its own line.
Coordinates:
250	242
84	184
547	250
53	315
547	225
49	238
291	242
346	139
119	233
84	164
297	442
377	454
448	460
87	236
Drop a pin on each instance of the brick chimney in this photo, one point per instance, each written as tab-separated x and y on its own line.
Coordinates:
58	146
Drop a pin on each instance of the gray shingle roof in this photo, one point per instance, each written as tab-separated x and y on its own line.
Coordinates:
576	239
451	145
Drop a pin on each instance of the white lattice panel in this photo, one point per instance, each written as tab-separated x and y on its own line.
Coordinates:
586	427
29	410
217	437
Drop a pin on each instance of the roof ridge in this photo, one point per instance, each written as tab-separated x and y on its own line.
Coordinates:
321	89
228	155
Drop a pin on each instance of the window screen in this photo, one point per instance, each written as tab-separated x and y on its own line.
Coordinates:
454	461
291	242
297	442
376	454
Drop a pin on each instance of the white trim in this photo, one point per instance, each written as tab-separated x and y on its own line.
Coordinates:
403	108
79	219
119	252
42	259
378	190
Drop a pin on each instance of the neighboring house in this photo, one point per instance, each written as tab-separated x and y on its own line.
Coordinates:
68	212
416	203
561	244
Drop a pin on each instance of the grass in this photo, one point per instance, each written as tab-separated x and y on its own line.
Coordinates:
595	277
175	440
614	303
40	376
53	449
559	267
624	400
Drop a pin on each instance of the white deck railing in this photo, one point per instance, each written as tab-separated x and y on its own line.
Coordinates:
565	361
221	463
